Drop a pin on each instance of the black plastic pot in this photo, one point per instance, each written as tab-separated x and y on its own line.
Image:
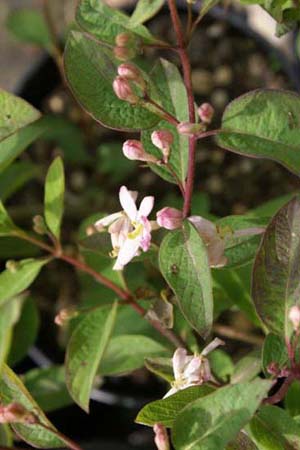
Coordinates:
112	412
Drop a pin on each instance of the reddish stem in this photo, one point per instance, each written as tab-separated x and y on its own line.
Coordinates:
123	294
280	394
186	67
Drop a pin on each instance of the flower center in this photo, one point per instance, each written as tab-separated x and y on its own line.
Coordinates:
138	228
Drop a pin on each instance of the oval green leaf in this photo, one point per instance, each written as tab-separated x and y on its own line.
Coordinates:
126	353
85	351
264	124
211	422
54	196
276	272
184	264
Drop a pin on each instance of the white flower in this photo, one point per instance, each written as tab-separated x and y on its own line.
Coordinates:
191	370
130	229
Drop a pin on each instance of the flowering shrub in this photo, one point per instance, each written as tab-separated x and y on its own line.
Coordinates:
214	399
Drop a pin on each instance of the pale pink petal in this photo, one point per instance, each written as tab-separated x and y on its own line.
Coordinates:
106	221
193	367
128	203
212	346
146	235
206	228
128	251
179	362
249	232
146	206
215	250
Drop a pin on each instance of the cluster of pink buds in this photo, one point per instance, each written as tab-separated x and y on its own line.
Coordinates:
163	139
16	413
128	76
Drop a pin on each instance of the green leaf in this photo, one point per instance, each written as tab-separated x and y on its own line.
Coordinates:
9	315
14	281
292	399
85	351
25	332
241	238
29	26
15	176
6	437
166	410
162	367
15	115
264	124
54	196
145	10
90	71
211	422
14	247
274	351
184	264
221	365
48	387
273	429
247	368
276	272
16	142
13	390
126	353
173	97
106	23
7	227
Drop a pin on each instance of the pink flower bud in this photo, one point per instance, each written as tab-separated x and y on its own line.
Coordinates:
129	71
135	151
161	438
163	140
169	218
123	90
294	316
189	129
206	113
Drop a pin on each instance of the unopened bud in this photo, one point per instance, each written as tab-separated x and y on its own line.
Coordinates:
39	225
161	438
135	151
169	218
124	53
129	71
189	129
12	265
123	90
163	140
64	316
294	316
206	113
13	413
